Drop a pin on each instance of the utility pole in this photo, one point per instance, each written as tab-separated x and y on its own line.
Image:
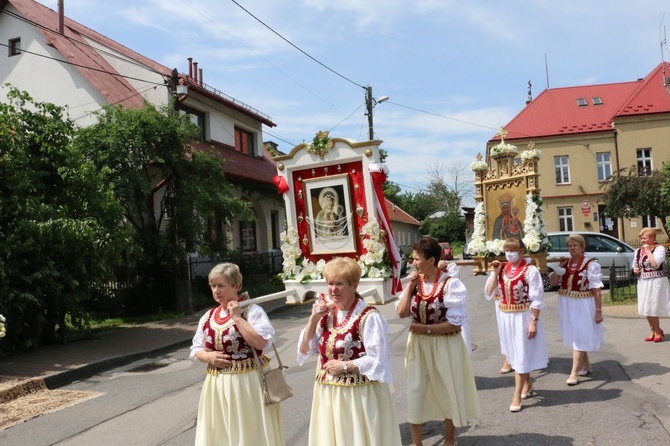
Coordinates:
368	103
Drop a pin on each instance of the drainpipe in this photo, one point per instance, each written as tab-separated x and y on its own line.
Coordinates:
618	166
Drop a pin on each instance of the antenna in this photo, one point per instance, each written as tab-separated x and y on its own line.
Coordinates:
664	41
546	69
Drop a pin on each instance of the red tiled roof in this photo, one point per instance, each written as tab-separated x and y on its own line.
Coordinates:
650	97
397	214
556	112
241	166
93	67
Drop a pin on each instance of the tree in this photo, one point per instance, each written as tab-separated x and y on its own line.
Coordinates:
148	159
448	228
449	194
59	224
629	194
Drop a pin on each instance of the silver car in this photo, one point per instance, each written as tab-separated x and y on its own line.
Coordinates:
604	248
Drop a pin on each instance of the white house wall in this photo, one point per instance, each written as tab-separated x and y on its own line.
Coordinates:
46	79
148	83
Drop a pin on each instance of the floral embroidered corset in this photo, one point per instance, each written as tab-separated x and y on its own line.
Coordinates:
513	288
646	270
343	343
226	338
575	281
429	309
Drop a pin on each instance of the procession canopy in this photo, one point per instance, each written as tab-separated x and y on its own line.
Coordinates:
507	192
332	189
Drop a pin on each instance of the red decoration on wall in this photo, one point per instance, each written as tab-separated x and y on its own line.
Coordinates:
280	182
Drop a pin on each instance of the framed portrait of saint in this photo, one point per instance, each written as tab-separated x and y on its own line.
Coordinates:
506	212
329	214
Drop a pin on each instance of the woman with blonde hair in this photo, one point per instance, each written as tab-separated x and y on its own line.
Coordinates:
352	403
232	408
580	313
653	289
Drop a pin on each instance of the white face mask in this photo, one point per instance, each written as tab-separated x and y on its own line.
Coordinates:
512	256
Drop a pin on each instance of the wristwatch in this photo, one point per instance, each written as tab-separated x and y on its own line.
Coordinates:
344	366
428	330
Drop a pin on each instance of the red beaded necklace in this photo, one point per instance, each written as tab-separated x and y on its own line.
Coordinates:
572	269
511	272
337	324
422	292
217	314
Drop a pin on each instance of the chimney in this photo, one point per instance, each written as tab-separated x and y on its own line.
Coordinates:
61	16
200	76
195	72
190	67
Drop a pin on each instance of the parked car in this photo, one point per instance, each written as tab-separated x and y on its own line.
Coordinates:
447	254
604	248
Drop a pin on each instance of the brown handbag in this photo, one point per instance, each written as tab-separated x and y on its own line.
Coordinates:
275	388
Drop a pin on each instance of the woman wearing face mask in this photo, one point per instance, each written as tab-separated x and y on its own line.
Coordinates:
579	306
519	286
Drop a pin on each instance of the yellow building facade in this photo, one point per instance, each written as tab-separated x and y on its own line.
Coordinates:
587	133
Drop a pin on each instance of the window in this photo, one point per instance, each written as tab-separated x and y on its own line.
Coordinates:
603	165
582	102
644	166
597	101
248	235
649	221
562	169
196	117
244	141
565	219
14	46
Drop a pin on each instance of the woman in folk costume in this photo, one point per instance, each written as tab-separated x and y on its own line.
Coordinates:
653	288
352	402
440	378
232	409
519	285
579	306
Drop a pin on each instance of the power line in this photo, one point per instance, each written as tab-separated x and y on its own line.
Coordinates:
296	47
71	39
100	70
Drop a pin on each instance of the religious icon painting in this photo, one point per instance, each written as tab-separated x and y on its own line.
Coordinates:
329	214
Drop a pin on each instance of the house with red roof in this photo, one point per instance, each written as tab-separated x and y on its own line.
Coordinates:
586	133
57	60
405	227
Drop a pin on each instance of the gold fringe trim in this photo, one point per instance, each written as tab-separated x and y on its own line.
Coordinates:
343	379
513	308
575	294
243	366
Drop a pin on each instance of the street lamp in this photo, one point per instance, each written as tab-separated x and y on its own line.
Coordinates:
371	102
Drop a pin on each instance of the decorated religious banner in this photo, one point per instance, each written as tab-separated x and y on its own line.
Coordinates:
507	193
335	207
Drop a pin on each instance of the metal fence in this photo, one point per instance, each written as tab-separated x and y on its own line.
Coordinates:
130	293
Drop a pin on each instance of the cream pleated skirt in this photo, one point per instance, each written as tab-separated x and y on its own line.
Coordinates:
440	380
231	412
353	416
653	297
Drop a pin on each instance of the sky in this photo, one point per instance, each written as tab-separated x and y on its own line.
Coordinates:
454	71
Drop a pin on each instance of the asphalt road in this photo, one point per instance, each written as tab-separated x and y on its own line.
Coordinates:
154	401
